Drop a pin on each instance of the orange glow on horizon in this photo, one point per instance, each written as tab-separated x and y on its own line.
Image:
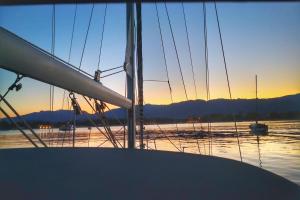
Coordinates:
29	108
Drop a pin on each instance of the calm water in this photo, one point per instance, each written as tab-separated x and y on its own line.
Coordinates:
279	152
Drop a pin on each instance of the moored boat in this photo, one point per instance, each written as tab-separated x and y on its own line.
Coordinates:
258	128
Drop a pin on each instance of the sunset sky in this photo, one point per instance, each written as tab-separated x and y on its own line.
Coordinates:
259	38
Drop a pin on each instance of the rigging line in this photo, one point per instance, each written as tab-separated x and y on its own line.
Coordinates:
72	119
125	114
19	128
228	83
68	108
50	97
164	134
22	119
52	52
74	129
69	58
165	59
89	137
221	40
118	131
150	80
108	130
113	140
167	137
53	57
177	56
122	124
96	126
53	30
102	71
13	85
86	35
206	52
63	139
102	34
189	47
72	35
71	45
63	100
102	143
112	73
52	21
154	141
163	49
198	145
206	68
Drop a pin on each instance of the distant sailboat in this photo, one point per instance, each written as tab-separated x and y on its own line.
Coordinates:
258	128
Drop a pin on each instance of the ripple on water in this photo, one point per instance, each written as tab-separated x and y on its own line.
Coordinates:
279	152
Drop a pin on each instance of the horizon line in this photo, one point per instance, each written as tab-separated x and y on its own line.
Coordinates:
169	103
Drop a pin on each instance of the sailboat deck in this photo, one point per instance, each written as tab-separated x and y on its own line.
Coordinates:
90	173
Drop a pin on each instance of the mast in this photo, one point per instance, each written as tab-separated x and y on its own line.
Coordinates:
130	73
256	99
140	71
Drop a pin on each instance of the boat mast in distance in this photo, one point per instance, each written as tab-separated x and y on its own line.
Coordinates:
258	128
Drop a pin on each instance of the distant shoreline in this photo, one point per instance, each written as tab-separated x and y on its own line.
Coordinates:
147	122
220	110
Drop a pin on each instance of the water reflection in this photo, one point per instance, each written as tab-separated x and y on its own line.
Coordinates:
259	154
278	152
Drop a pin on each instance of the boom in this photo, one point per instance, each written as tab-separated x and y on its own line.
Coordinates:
20	56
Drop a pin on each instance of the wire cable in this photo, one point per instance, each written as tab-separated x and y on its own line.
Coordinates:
117	72
168	138
165	61
72	35
150	80
102	34
109	135
164	53
207	88
107	70
228	83
69	58
189	47
19	128
177	56
53	50
86	35
53	57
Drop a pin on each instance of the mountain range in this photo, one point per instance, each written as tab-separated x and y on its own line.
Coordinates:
184	110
